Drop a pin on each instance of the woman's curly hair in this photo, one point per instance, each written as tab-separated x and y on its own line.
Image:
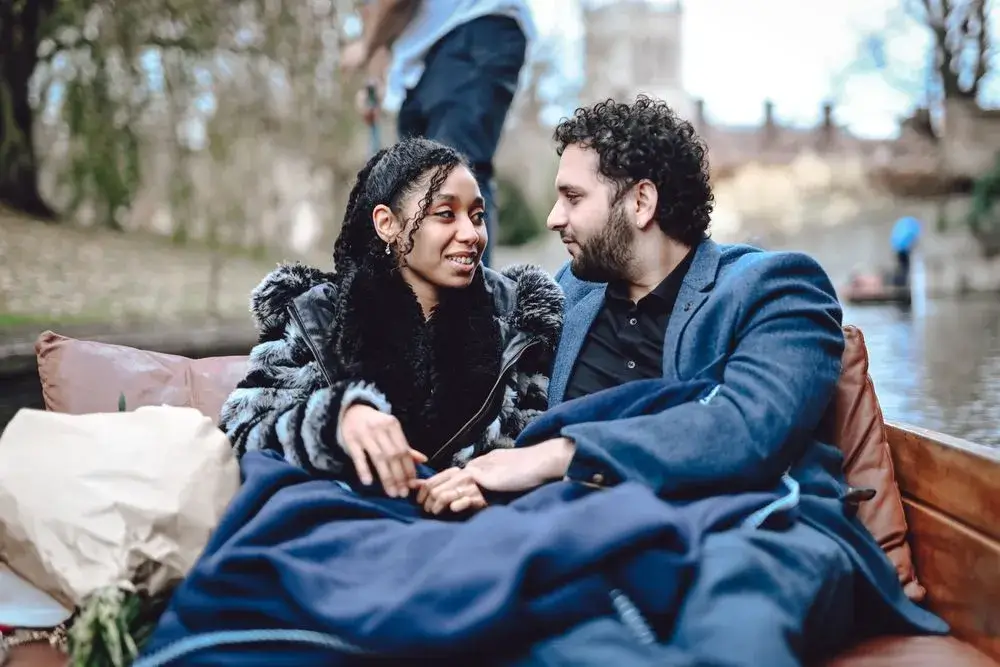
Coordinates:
390	176
647	140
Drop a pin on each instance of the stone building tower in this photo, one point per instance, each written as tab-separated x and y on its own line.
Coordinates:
632	47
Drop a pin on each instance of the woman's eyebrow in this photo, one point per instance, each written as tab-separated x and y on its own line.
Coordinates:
445	198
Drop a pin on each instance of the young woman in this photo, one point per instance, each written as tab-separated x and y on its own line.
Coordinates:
412	352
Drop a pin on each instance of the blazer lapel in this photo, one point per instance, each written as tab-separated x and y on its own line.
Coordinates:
576	324
695	289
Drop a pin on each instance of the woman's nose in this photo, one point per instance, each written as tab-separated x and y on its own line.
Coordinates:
467	232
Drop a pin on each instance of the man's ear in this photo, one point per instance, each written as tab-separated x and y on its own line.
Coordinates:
646	198
386	223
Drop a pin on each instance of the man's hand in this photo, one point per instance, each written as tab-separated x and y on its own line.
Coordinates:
453	489
523	468
354	57
366	107
370	434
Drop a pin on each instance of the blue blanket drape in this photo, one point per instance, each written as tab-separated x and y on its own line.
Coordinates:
373	576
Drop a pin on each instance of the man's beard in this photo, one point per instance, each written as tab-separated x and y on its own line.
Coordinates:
607	256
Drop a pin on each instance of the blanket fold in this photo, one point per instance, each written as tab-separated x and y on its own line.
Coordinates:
378	579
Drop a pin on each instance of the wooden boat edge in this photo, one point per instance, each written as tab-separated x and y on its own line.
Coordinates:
950	496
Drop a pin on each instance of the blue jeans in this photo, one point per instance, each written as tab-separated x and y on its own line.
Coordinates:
462	99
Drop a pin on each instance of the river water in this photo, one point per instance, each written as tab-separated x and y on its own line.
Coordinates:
937	365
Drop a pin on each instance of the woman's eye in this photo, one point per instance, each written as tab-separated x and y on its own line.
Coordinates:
479	217
446	213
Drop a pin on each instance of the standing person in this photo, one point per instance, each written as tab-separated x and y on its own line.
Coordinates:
453	73
904	237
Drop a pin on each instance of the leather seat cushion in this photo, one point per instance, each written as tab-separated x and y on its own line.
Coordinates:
911	652
35	655
855	424
80	377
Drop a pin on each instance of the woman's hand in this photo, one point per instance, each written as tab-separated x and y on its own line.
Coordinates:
367	433
453	489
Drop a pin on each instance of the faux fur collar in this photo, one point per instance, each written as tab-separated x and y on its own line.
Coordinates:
525	297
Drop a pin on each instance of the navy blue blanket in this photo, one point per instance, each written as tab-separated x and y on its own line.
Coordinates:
373	575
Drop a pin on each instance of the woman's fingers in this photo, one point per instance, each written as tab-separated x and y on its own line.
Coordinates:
398	482
402	450
360	459
461	504
470	502
451	491
380	460
417	457
432	483
376	440
441	498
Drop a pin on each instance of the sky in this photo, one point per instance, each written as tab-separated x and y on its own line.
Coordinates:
737	53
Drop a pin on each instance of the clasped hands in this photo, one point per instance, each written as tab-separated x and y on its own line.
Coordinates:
370	435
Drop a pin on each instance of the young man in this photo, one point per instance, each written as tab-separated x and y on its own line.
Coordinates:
649	295
455	67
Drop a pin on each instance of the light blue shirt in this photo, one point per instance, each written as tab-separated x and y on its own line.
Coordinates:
433	20
905	234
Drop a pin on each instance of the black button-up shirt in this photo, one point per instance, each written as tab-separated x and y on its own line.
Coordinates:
625	341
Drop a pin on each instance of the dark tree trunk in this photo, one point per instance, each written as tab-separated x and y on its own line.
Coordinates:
953	26
20	30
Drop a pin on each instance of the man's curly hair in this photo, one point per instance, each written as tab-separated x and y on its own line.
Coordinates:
647	140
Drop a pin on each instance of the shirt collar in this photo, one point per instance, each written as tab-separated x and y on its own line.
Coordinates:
662	296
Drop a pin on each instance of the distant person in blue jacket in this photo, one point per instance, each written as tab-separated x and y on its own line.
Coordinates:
649	296
904	237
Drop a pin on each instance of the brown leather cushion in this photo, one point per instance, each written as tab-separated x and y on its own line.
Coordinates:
80	377
35	655
855	424
911	652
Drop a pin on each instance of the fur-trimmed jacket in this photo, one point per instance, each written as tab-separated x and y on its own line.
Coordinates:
463	382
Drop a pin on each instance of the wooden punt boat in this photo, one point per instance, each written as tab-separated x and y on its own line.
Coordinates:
949	489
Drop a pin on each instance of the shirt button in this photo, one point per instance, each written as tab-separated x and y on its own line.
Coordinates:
597	478
630	364
633	321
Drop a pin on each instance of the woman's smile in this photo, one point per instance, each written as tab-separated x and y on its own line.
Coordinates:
463	261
